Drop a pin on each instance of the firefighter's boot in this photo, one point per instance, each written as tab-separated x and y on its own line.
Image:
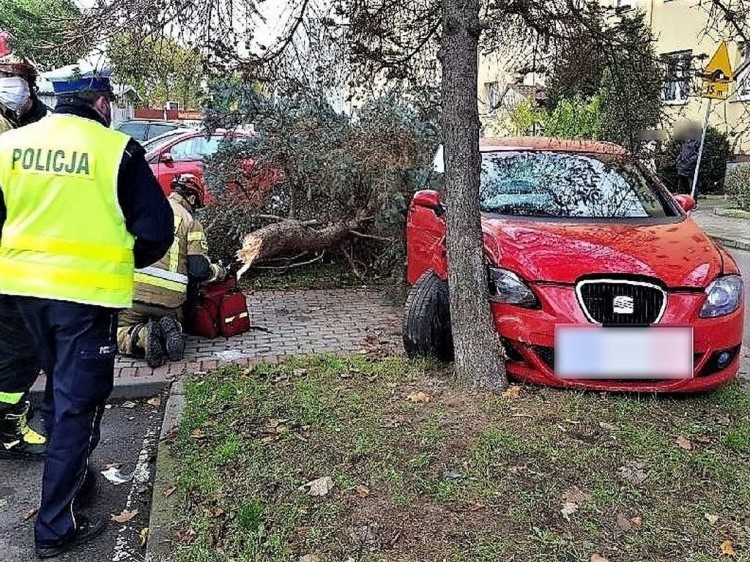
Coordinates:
17	439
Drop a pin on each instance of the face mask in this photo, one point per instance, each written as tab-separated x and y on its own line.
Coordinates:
14	92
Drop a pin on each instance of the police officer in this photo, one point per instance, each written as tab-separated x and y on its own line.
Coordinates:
153	327
79	210
19	365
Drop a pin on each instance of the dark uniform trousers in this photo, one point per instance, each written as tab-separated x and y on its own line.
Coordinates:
77	346
19	366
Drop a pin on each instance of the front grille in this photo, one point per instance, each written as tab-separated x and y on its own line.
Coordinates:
615	302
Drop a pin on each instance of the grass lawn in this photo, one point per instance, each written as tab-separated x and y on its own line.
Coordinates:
423	472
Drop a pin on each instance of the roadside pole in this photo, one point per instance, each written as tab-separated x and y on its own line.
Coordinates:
700	152
716	79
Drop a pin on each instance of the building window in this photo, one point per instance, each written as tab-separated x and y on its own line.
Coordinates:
677	77
743	80
493	96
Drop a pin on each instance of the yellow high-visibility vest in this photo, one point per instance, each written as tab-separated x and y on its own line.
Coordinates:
64	236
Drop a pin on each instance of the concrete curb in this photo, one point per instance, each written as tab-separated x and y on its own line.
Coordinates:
124	389
732	213
731	242
163	503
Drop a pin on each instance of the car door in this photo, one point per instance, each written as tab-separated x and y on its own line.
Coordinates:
184	157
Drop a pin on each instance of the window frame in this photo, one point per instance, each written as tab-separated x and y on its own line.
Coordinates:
743	82
683	60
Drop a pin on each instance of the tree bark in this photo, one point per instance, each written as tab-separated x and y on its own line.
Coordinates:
478	355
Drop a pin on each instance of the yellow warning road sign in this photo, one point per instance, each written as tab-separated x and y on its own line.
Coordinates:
719	69
715	90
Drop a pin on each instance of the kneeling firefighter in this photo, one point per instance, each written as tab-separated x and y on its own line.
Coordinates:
152	328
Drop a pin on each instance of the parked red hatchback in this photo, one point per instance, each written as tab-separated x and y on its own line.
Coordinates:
599	279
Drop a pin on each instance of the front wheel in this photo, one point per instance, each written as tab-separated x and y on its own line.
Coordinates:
427	319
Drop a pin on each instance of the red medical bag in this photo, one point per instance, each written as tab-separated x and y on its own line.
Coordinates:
221	310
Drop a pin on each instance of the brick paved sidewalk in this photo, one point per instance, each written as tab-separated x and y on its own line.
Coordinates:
298	322
728	231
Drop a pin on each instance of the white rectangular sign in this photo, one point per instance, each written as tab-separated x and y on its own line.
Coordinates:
589	352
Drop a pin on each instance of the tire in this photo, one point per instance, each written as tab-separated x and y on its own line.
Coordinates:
427	319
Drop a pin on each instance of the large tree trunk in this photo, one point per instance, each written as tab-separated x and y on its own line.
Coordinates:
479	363
291	236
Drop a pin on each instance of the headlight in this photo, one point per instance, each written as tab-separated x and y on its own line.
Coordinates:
724	297
507	288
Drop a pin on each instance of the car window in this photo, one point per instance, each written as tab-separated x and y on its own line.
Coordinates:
134	129
551	184
212	145
189	149
157	129
154	142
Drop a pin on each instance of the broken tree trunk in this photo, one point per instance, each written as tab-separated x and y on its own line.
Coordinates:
291	236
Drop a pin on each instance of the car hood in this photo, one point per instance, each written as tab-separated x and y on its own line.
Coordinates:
680	253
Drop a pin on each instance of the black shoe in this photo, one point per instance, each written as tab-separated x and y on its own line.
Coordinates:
86	530
174	341
17	439
155	352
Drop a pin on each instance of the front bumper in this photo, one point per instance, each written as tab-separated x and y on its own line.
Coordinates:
528	336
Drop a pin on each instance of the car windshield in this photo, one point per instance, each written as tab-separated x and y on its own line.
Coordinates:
552	184
155	142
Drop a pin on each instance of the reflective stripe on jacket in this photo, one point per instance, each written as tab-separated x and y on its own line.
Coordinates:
165	282
65	236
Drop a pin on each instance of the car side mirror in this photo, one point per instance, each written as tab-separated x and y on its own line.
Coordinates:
686	202
166	158
429	199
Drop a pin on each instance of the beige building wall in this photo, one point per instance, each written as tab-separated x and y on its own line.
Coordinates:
679	27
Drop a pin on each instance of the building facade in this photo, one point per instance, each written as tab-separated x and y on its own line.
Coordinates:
686	37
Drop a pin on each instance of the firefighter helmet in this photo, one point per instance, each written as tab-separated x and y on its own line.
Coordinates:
189	184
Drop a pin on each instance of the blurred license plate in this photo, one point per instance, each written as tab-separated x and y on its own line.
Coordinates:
584	352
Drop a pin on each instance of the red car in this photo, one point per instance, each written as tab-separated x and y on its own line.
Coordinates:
599	279
186	153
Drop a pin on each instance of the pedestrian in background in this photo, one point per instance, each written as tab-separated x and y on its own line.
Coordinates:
19	364
687	160
79	210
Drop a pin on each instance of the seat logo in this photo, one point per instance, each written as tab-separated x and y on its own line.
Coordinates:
623	305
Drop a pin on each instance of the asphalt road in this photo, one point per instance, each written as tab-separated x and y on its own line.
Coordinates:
129	438
743	261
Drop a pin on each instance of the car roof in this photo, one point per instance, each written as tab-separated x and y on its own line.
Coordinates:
507	144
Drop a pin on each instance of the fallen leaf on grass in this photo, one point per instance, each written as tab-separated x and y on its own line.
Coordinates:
623	523
29	514
144	536
309	558
216	512
684	443
513	392
319	487
125	516
598	558
156	401
363	491
637	523
476	507
607	426
713	519
727	549
575	495
419	397
169	491
633	473
198	434
569	509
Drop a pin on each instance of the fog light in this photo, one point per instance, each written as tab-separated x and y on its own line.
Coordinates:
724	359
